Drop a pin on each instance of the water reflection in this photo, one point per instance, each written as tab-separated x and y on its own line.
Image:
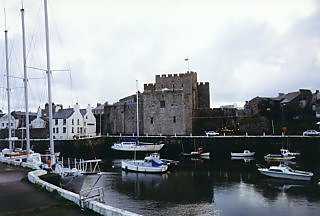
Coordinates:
207	187
178	187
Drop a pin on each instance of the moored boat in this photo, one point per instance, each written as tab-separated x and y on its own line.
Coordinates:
278	157
199	152
286	152
285	172
245	153
151	164
134	146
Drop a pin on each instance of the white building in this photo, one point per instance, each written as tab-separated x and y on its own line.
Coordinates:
4	122
72	123
38	122
89	122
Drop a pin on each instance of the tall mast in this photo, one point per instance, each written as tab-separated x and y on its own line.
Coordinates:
137	109
53	160
25	82
8	89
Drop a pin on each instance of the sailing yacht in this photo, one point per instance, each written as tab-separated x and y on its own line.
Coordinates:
136	145
150	164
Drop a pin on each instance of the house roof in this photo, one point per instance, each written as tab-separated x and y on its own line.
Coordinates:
83	112
289	97
63	113
21	113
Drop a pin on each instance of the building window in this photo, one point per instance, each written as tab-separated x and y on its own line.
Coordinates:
57	130
54	130
174	119
64	121
64	130
78	130
72	130
72	122
151	120
56	121
162	104
78	121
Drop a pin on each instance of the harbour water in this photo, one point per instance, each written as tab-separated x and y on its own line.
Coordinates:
208	187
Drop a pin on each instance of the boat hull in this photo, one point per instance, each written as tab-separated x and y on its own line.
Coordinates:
132	148
235	154
271	157
142	166
301	176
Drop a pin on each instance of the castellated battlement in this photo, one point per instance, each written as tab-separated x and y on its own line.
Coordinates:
203	83
149	87
175	75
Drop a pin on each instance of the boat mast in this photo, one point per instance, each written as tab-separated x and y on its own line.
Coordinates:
25	82
8	89
53	160
137	95
137	103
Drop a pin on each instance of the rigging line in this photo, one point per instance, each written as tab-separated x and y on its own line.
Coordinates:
65	56
33	97
5	15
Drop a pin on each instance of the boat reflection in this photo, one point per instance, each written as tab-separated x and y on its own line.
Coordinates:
245	159
178	187
283	185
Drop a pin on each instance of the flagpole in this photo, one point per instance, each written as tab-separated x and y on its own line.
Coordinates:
187	60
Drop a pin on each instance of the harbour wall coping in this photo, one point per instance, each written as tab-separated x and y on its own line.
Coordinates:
14	162
95	206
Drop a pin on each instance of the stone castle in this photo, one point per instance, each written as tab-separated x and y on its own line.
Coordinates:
165	107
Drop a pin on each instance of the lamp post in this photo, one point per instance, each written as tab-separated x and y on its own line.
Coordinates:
100	123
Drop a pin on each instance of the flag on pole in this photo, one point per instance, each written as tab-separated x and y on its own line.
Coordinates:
186	59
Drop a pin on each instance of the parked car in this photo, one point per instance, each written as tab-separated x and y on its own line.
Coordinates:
311	133
211	133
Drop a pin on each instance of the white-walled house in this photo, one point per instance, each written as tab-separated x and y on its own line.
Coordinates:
70	123
4	122
38	122
89	122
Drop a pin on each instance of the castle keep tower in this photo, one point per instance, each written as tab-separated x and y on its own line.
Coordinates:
165	107
168	104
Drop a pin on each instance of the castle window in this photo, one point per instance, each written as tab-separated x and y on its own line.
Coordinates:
174	119
162	104
151	120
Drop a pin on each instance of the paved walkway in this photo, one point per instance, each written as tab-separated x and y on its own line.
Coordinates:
19	197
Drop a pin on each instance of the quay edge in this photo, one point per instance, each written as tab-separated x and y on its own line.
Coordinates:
219	146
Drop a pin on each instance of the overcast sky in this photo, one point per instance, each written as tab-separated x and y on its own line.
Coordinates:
243	48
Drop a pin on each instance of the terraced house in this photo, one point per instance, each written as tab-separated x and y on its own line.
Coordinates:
73	122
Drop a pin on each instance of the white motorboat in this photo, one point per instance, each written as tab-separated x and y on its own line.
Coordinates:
134	146
285	172
245	153
278	157
197	153
286	152
150	164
